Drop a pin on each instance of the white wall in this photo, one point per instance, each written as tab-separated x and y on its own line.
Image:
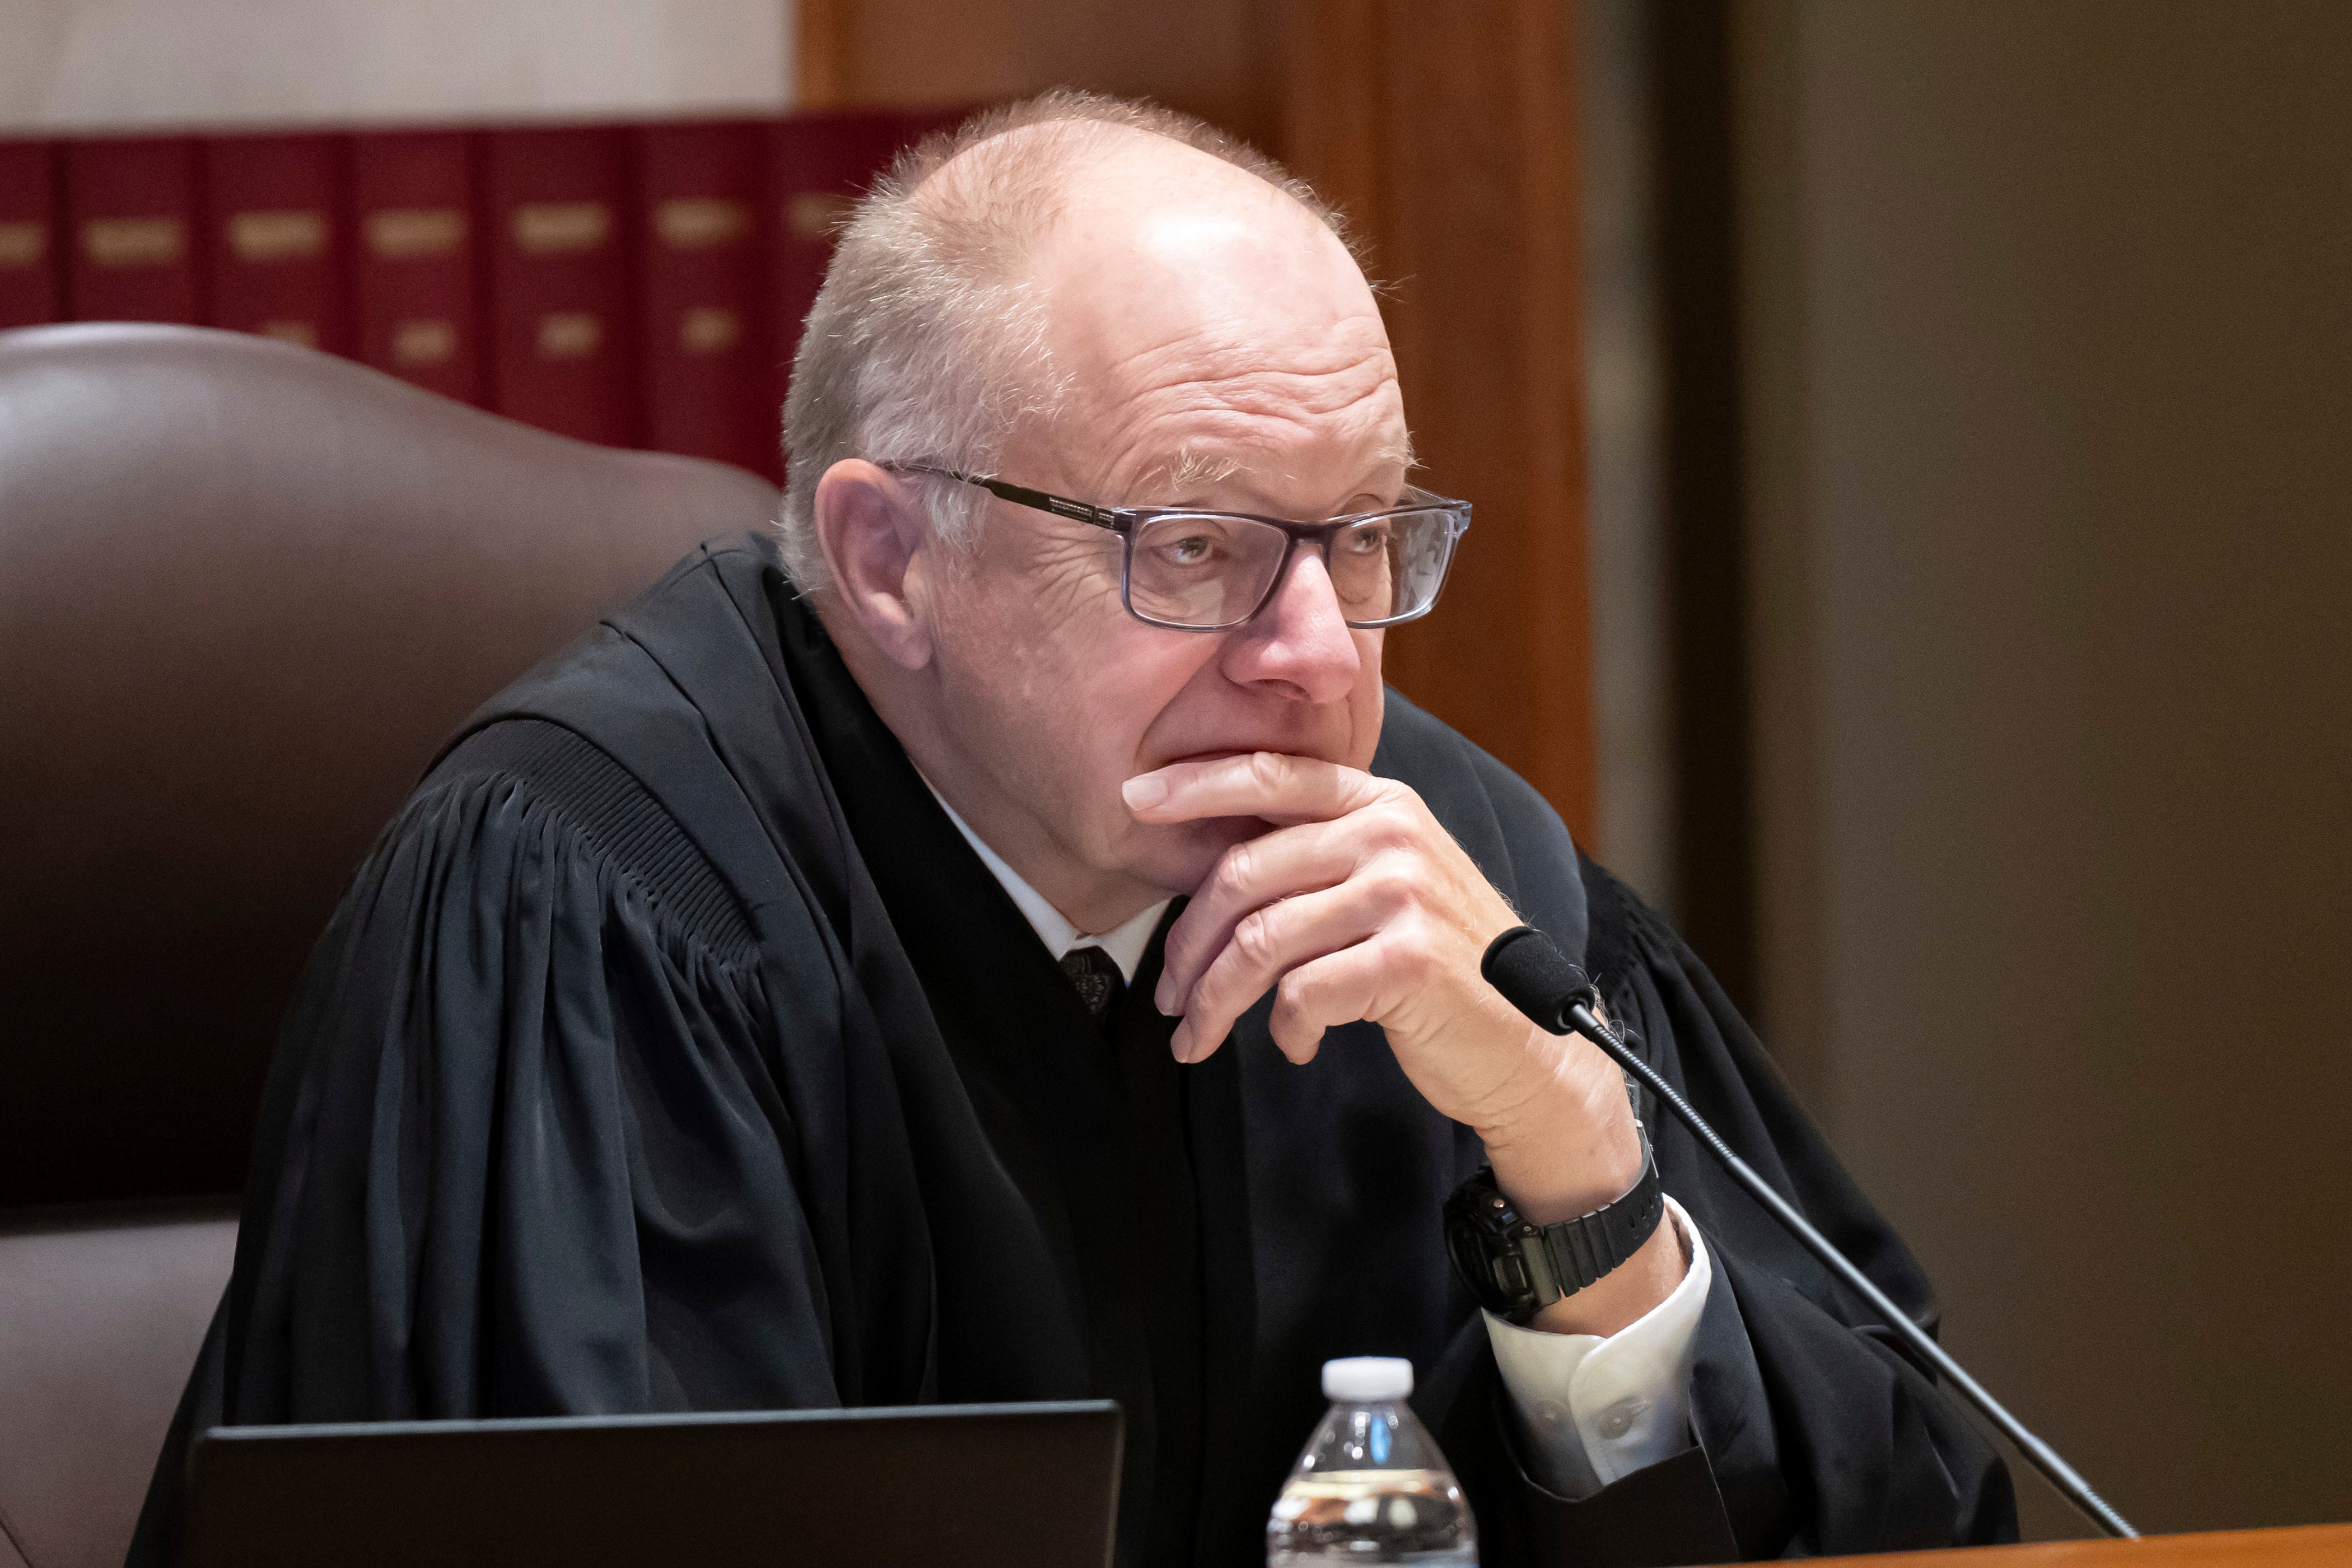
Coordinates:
76	64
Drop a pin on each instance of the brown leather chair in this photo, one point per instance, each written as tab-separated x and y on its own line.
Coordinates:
245	590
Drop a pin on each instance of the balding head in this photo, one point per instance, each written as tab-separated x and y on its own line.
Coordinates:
1118	307
932	337
1213	319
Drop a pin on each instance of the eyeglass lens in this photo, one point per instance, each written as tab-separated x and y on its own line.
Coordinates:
1207	571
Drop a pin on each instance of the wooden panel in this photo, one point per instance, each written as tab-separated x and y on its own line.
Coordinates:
1445	128
1215	58
819	45
2309	1547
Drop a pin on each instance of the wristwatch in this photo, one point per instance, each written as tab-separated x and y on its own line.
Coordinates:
1515	1268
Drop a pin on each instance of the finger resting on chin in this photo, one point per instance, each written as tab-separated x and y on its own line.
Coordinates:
1270	785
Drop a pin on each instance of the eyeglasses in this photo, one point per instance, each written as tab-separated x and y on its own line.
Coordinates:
1206	571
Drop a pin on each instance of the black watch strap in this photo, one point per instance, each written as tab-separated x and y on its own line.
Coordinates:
1515	1267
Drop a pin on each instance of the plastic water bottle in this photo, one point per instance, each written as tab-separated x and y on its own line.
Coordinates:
1370	1485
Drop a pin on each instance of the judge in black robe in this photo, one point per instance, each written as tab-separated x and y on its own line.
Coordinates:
673	1051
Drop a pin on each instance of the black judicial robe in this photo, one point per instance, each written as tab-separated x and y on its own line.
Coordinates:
672	1051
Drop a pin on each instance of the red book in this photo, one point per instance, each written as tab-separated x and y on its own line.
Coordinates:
131	212
29	294
416	271
556	204
818	166
278	227
710	354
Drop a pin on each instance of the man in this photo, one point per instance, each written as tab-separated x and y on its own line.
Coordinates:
719	1025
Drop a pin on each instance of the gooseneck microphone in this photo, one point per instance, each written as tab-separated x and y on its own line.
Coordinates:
1538	979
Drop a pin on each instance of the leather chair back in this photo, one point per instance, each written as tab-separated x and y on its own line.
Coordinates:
101	1309
246	591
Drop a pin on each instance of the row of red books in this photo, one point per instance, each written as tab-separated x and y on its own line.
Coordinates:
635	285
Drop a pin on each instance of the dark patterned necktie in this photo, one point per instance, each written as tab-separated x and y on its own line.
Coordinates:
1096	974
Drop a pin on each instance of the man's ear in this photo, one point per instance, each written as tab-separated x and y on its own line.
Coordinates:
877	550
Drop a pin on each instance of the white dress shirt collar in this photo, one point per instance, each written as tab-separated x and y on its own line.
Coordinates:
1124	944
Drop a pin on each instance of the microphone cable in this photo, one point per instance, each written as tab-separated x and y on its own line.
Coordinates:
1537	978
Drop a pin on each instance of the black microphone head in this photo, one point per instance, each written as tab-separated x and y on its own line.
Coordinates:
1536	977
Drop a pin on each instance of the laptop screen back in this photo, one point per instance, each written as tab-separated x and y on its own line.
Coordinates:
975	1485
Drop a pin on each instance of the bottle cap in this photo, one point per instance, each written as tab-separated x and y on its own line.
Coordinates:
1360	1378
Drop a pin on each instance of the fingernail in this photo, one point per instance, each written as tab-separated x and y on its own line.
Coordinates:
1181	1042
1144	790
1162	997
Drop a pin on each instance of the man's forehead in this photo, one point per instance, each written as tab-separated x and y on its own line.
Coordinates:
1196	307
1223	268
1158	237
1141	247
1200	323
1194	470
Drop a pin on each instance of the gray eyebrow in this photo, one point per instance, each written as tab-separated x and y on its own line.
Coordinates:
1190	469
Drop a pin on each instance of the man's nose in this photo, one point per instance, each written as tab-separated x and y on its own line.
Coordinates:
1301	638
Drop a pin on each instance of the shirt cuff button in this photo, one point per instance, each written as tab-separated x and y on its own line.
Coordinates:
1619	1419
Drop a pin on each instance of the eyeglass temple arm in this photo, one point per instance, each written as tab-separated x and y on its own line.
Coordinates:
1118	522
1021	495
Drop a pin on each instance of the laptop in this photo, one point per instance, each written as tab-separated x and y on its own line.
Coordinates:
974	1485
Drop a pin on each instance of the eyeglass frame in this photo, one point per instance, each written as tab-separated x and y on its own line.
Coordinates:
1124	520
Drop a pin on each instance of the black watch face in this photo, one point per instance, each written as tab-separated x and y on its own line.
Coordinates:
1491	1268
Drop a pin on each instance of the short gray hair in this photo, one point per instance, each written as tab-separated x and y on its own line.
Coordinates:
926	342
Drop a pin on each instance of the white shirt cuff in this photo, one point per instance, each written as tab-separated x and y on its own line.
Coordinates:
1593	1410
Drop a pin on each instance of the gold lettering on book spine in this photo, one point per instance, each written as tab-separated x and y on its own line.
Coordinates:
23	243
708	330
134	241
811	215
702	222
277	235
569	334
410	234
424	342
560	228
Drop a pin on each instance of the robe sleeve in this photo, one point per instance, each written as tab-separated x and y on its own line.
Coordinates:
1813	1434
522	1150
